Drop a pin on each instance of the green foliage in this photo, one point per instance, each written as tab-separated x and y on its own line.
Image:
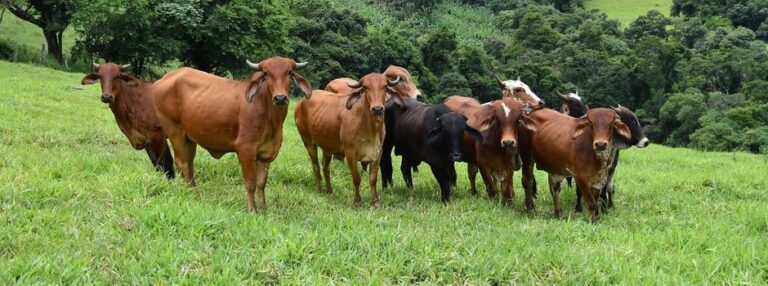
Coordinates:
681	114
438	48
652	24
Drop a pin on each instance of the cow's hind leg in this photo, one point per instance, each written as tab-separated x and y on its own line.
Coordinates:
161	158
578	199
472	175
372	178
554	189
184	150
327	157
312	151
352	164
405	168
529	185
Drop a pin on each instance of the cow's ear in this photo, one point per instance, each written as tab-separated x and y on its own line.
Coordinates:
474	133
354	98
527	122
129	80
89	79
255	87
302	83
396	98
483	118
581	126
623	130
433	136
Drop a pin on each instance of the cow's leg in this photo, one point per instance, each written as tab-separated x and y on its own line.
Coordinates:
373	174
472	175
578	199
248	166
589	194
262	172
327	157
554	189
312	150
452	176
441	174
352	164
405	168
507	189
386	165
528	183
160	155
184	150
490	185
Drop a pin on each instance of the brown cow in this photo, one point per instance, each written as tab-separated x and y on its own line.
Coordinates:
518	90
348	125
565	146
498	122
224	115
128	98
405	86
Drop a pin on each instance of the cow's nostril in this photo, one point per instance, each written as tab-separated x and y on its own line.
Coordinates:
106	98
508	143
377	109
600	145
280	99
456	157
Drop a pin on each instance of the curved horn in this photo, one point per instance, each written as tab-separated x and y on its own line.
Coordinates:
252	65
518	78
298	66
356	84
500	82
393	82
123	67
95	66
562	95
617	108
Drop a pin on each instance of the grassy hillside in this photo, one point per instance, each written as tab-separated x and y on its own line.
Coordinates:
29	36
79	206
627	11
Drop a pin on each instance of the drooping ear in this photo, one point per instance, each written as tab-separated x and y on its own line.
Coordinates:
474	133
354	98
483	118
394	97
433	135
303	84
129	80
527	122
255	87
623	130
580	127
89	79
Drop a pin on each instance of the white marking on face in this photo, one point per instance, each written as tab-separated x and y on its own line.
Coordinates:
574	96
643	142
512	84
506	109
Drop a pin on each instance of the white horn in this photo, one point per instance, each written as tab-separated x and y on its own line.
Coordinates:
253	66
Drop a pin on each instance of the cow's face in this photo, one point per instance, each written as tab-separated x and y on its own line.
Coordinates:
638	135
573	105
602	122
506	114
405	85
448	133
273	78
111	77
518	90
375	89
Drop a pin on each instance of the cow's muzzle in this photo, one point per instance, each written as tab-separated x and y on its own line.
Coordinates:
377	110
643	142
280	99
508	143
455	157
106	98
600	145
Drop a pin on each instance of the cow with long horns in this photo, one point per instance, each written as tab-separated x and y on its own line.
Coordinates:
223	115
128	99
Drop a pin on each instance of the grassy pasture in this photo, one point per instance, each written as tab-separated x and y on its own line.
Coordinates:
79	206
627	11
29	36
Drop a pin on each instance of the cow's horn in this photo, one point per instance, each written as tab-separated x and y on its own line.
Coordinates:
95	66
298	66
617	108
356	84
562	95
501	83
518	78
252	65
393	82
125	66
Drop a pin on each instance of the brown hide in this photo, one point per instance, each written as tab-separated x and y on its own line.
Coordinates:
519	91
565	146
349	124
498	122
340	85
223	115
406	87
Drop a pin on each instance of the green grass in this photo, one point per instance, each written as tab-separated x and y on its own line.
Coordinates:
627	11
29	36
79	206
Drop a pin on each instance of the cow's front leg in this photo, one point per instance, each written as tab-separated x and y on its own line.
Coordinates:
262	171
352	164
248	166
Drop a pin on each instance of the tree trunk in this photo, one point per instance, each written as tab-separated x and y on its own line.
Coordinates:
53	39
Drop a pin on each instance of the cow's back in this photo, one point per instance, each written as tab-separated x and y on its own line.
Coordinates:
319	119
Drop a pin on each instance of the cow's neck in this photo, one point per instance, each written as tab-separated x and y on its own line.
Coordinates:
274	114
368	123
124	104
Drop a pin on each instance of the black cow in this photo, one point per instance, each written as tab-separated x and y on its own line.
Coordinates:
425	133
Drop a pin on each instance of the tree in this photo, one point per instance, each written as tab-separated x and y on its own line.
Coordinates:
53	16
440	44
652	24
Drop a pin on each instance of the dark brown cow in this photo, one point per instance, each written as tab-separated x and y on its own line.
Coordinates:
565	146
498	122
128	98
349	125
223	115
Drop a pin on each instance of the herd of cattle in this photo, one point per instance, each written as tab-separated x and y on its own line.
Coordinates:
363	121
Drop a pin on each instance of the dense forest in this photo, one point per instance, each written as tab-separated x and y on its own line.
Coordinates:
697	79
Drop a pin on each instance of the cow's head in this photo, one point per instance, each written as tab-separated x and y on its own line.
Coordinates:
573	105
405	86
629	118
518	90
505	114
376	90
273	77
602	122
448	132
112	79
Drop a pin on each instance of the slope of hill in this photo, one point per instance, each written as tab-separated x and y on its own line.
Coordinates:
29	36
627	11
79	206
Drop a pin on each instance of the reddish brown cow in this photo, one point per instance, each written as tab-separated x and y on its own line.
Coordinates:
340	85
518	90
405	87
128	98
565	146
498	122
223	115
348	125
